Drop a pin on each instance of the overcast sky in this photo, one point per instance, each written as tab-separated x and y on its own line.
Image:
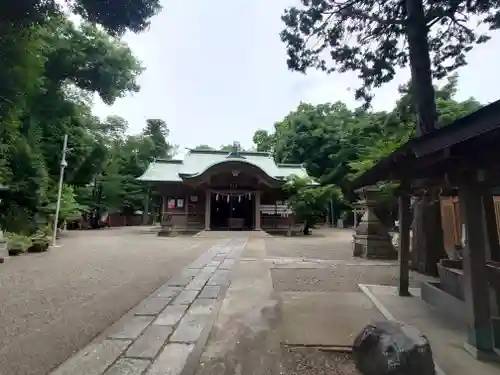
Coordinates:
216	72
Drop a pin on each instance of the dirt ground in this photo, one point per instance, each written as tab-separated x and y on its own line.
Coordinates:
54	303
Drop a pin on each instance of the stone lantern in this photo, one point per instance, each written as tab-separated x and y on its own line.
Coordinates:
371	238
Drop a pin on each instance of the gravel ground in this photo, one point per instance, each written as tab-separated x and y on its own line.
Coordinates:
340	278
331	245
343	276
53	304
335	245
311	361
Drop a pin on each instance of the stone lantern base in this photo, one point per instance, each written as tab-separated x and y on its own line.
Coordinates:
371	239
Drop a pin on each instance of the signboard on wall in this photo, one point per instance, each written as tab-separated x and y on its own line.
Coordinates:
180	203
171	203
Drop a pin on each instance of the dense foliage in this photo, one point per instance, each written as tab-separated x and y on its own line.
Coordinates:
336	143
50	72
115	16
374	37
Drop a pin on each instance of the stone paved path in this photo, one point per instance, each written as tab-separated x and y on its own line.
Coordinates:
166	332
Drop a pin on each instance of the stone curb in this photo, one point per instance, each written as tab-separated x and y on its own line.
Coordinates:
163	334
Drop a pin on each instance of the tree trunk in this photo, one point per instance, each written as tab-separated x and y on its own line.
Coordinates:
427	246
305	231
422	90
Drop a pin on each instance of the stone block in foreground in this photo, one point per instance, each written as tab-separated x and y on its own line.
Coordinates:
392	348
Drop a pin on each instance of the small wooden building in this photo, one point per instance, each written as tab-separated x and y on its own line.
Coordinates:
461	159
221	190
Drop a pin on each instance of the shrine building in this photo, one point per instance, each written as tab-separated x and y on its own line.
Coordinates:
223	190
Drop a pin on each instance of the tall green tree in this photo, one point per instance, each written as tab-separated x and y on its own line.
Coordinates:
115	17
263	141
373	38
157	131
309	202
52	70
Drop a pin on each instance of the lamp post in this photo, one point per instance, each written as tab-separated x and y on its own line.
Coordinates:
64	164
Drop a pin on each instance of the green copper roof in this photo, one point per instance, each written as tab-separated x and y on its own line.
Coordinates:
197	161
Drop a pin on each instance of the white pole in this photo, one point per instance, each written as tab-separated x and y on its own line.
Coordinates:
331	214
59	191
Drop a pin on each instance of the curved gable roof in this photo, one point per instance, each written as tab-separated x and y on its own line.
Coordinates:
196	162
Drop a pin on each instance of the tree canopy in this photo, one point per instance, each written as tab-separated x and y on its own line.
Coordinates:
371	36
336	143
115	16
50	72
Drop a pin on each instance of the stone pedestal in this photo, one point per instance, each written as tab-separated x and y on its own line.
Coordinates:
371	239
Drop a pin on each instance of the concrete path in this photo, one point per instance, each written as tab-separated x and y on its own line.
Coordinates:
245	338
55	303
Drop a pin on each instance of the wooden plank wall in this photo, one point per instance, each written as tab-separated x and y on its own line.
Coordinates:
450	219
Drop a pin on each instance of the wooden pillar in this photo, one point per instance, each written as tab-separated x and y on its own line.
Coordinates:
186	210
208	196
257	210
145	212
477	300
493	245
163	208
404	244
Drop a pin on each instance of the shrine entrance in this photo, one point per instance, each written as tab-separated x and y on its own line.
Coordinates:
232	210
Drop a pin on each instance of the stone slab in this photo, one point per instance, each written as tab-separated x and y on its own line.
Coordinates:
190	272
227	264
150	342
152	306
169	291
171	360
209	269
213	263
193	323
186	297
210	292
220	278
127	366
199	281
171	315
180	281
325	318
94	359
130	327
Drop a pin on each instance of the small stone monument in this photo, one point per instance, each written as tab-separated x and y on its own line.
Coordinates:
371	238
392	348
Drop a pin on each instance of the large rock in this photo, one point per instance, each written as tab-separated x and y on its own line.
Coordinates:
392	348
